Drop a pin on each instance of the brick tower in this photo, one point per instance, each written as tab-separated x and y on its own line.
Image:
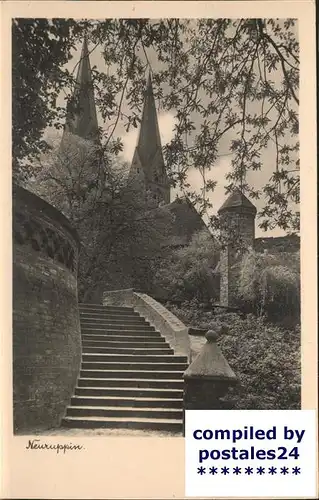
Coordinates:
148	172
237	217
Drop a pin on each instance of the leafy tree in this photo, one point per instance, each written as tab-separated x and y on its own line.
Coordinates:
188	272
120	234
40	47
270	284
232	85
76	176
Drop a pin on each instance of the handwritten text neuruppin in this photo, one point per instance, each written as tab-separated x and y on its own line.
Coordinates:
36	444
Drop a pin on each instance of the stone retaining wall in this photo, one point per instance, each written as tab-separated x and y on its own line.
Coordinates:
46	326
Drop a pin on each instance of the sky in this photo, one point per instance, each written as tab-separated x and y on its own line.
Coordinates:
166	125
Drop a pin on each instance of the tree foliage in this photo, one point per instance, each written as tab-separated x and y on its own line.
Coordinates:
270	284
120	234
231	84
40	47
188	272
267	361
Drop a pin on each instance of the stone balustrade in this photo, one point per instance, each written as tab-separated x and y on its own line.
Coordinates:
174	331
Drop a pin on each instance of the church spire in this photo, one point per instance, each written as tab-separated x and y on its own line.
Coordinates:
149	140
148	158
82	120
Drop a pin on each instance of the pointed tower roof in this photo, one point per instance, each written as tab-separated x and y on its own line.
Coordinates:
149	140
148	168
82	121
236	200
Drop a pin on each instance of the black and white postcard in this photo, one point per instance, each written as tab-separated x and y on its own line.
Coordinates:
158	252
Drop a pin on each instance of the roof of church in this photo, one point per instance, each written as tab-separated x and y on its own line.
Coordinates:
235	200
184	223
82	121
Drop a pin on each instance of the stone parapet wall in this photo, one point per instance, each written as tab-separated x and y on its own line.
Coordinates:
280	244
46	328
174	331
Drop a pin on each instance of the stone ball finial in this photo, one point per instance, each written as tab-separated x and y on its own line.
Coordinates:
211	336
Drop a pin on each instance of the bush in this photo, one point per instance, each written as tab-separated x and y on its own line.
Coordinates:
188	273
270	285
265	358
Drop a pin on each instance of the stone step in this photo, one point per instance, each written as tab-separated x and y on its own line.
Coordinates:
113	327
121	334
135	374
109	314
128	358
117	325
137	402
179	367
101	313
120	338
124	350
130	382
113	320
129	377
112	317
124	423
109	311
128	412
100	307
129	392
120	343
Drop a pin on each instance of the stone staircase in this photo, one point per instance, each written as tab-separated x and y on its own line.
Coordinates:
129	378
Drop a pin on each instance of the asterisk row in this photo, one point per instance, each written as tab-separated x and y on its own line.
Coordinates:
249	470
